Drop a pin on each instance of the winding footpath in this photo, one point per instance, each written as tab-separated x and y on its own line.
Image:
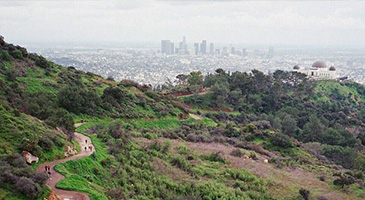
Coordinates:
56	177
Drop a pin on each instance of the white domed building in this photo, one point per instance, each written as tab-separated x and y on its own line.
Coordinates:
318	70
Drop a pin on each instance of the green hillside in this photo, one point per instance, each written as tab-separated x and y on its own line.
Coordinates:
247	136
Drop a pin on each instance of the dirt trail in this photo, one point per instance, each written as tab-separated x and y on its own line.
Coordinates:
55	177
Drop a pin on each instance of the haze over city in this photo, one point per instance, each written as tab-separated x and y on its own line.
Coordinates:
145	22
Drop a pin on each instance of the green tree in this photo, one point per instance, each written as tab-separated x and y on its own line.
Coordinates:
220	93
182	78
276	124
312	130
288	125
332	137
195	81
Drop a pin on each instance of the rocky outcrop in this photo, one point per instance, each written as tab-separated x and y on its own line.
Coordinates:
70	151
29	158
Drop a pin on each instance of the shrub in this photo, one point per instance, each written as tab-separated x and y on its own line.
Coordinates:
181	162
116	193
42	62
343	180
237	153
4	55
46	143
281	140
128	83
165	147
17	54
322	178
344	156
28	187
304	193
216	157
9	177
110	78
253	156
183	149
40	178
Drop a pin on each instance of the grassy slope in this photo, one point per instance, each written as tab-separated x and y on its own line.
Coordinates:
14	130
282	183
326	88
81	176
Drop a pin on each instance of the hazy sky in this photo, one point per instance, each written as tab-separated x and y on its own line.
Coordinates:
146	21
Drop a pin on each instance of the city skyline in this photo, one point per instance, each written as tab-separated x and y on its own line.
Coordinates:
168	47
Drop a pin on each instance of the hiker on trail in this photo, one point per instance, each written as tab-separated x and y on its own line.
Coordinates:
48	170
85	148
86	141
45	168
90	147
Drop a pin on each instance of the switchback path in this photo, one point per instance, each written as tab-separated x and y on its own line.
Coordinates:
56	177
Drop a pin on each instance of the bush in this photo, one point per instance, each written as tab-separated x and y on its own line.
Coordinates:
183	149
216	157
253	156
40	178
281	140
46	143
181	163
42	62
237	153
4	55
344	179
17	54
165	147
116	193
304	193
28	187
344	156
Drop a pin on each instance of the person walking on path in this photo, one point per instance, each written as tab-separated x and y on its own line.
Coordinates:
85	141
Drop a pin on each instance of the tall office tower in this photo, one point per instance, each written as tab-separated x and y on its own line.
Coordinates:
211	49
217	52
172	48
244	52
183	47
196	45
203	47
225	51
167	47
233	50
271	52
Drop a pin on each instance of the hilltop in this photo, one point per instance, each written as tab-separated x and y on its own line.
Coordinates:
237	136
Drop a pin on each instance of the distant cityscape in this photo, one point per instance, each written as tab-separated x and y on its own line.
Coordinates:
158	65
168	48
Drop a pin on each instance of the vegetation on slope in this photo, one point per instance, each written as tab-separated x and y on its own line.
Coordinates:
283	133
38	96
